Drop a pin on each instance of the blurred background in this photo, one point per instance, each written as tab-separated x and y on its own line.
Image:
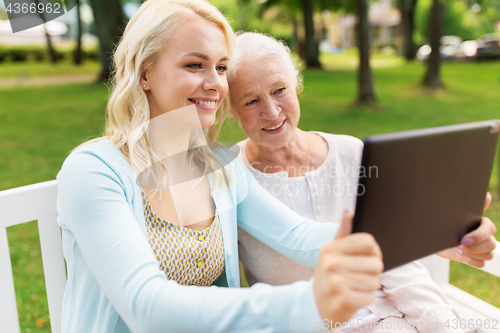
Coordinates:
369	67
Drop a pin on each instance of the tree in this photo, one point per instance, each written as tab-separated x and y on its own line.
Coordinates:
290	12
310	54
366	93
50	47
110	23
312	47
78	56
407	8
432	77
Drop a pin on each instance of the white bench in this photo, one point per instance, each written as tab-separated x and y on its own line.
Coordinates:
20	205
38	202
470	307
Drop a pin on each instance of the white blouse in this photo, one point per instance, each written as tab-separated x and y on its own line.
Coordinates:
332	189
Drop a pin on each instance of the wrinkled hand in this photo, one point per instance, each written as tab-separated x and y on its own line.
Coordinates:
477	246
347	274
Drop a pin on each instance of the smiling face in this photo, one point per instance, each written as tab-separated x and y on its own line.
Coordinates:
265	102
189	70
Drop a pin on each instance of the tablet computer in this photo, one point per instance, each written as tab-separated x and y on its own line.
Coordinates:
420	191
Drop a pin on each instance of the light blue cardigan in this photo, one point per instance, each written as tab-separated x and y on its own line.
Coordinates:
114	282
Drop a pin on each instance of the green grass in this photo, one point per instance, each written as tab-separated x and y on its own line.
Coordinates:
28	277
41	125
35	69
350	60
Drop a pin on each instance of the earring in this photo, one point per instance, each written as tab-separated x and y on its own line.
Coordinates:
144	85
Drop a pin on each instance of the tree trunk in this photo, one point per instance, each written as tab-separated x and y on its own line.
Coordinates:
312	48
78	57
50	48
109	25
52	52
366	95
407	8
432	78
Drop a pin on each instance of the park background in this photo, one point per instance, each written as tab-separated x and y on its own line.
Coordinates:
361	74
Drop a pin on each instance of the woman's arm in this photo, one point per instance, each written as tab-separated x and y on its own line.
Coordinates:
92	206
273	223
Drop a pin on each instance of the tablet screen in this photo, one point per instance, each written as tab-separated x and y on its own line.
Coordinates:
420	191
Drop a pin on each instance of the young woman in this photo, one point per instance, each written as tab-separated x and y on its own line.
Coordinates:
149	214
316	174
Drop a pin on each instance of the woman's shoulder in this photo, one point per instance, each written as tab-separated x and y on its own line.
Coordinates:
342	142
97	147
97	155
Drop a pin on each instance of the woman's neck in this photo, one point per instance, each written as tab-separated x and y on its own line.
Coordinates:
304	152
286	153
170	133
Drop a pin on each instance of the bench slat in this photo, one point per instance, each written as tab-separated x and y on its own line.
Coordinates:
471	307
8	307
439	268
53	267
28	203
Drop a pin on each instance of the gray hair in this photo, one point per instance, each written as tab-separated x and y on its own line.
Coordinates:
257	46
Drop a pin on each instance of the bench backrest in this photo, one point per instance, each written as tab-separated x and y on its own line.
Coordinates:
20	205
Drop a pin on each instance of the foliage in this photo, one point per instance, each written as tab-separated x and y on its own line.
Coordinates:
3	53
18	53
345	6
23	53
292	9
38	53
460	20
489	15
250	16
33	68
293	6
91	53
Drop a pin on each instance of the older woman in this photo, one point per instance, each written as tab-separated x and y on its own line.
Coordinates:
145	249
315	174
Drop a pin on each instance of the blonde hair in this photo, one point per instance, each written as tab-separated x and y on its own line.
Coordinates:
146	34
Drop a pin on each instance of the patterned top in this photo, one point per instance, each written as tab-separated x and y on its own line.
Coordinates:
187	256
